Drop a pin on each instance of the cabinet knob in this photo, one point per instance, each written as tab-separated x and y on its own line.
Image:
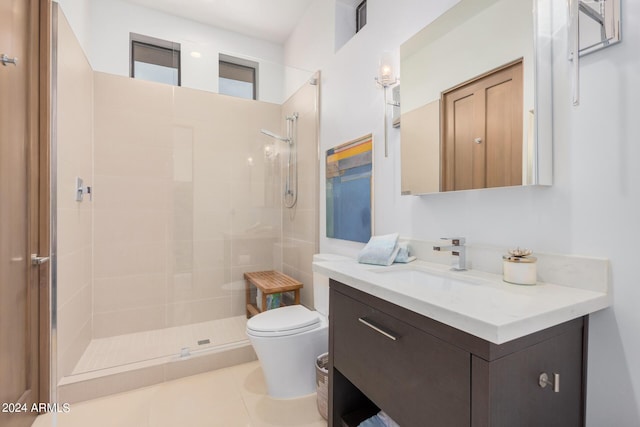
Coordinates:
543	381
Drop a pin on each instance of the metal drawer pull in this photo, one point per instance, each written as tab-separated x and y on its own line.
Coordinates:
378	329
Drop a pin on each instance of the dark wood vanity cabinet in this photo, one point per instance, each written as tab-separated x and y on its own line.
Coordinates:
424	373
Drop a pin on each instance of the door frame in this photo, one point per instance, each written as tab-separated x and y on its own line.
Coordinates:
41	190
35	59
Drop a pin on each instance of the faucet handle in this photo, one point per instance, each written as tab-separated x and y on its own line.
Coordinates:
456	241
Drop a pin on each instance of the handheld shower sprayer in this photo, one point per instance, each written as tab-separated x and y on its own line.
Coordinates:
290	196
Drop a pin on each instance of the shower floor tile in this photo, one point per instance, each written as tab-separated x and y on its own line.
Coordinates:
102	353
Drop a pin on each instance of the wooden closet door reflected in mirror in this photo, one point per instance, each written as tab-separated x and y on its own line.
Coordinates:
482	131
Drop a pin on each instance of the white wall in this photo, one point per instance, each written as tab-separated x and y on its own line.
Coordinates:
352	103
602	190
593	208
103	27
310	45
78	14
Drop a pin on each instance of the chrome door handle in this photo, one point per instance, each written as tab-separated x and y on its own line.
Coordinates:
6	60
38	260
378	329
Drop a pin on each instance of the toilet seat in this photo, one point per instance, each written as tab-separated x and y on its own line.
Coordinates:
283	321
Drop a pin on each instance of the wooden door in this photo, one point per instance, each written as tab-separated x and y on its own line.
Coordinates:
482	131
20	220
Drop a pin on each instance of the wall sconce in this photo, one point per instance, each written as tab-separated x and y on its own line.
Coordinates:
386	78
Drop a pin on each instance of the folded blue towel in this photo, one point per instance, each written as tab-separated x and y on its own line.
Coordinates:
374	421
386	419
379	420
381	250
403	253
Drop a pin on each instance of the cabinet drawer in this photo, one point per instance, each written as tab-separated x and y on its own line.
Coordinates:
417	378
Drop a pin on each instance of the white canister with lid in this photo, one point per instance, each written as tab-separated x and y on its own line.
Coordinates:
519	270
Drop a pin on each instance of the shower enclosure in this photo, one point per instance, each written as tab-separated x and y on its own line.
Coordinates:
166	196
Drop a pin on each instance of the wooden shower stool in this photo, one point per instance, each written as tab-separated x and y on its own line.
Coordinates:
269	282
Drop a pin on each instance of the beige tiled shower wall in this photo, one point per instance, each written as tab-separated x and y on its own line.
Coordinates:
74	219
185	202
300	224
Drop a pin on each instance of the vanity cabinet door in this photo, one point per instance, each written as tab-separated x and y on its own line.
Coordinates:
418	379
506	392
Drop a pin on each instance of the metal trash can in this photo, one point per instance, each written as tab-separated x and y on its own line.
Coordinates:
322	383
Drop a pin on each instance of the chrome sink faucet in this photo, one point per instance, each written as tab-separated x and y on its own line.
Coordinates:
459	255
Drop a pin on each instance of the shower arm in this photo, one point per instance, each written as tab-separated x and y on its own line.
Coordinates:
275	136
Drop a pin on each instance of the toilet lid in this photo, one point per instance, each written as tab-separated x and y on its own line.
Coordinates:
284	321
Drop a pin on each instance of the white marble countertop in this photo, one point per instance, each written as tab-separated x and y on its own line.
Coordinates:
475	302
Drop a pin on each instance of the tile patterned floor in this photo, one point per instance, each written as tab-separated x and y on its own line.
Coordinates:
230	397
124	349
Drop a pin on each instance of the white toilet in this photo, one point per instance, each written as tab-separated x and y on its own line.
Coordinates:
288	340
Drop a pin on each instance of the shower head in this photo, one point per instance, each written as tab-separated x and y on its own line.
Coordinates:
278	137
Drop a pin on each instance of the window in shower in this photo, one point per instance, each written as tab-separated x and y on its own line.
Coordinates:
155	60
238	77
361	15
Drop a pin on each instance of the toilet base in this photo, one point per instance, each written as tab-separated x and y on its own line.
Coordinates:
288	362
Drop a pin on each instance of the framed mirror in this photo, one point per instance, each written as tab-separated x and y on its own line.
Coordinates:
476	98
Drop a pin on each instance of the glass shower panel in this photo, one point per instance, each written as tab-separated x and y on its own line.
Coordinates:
300	224
214	133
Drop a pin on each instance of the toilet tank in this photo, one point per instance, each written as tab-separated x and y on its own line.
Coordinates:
321	284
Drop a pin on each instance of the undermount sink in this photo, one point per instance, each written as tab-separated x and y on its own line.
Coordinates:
445	281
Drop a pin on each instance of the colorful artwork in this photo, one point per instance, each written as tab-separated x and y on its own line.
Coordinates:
350	189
